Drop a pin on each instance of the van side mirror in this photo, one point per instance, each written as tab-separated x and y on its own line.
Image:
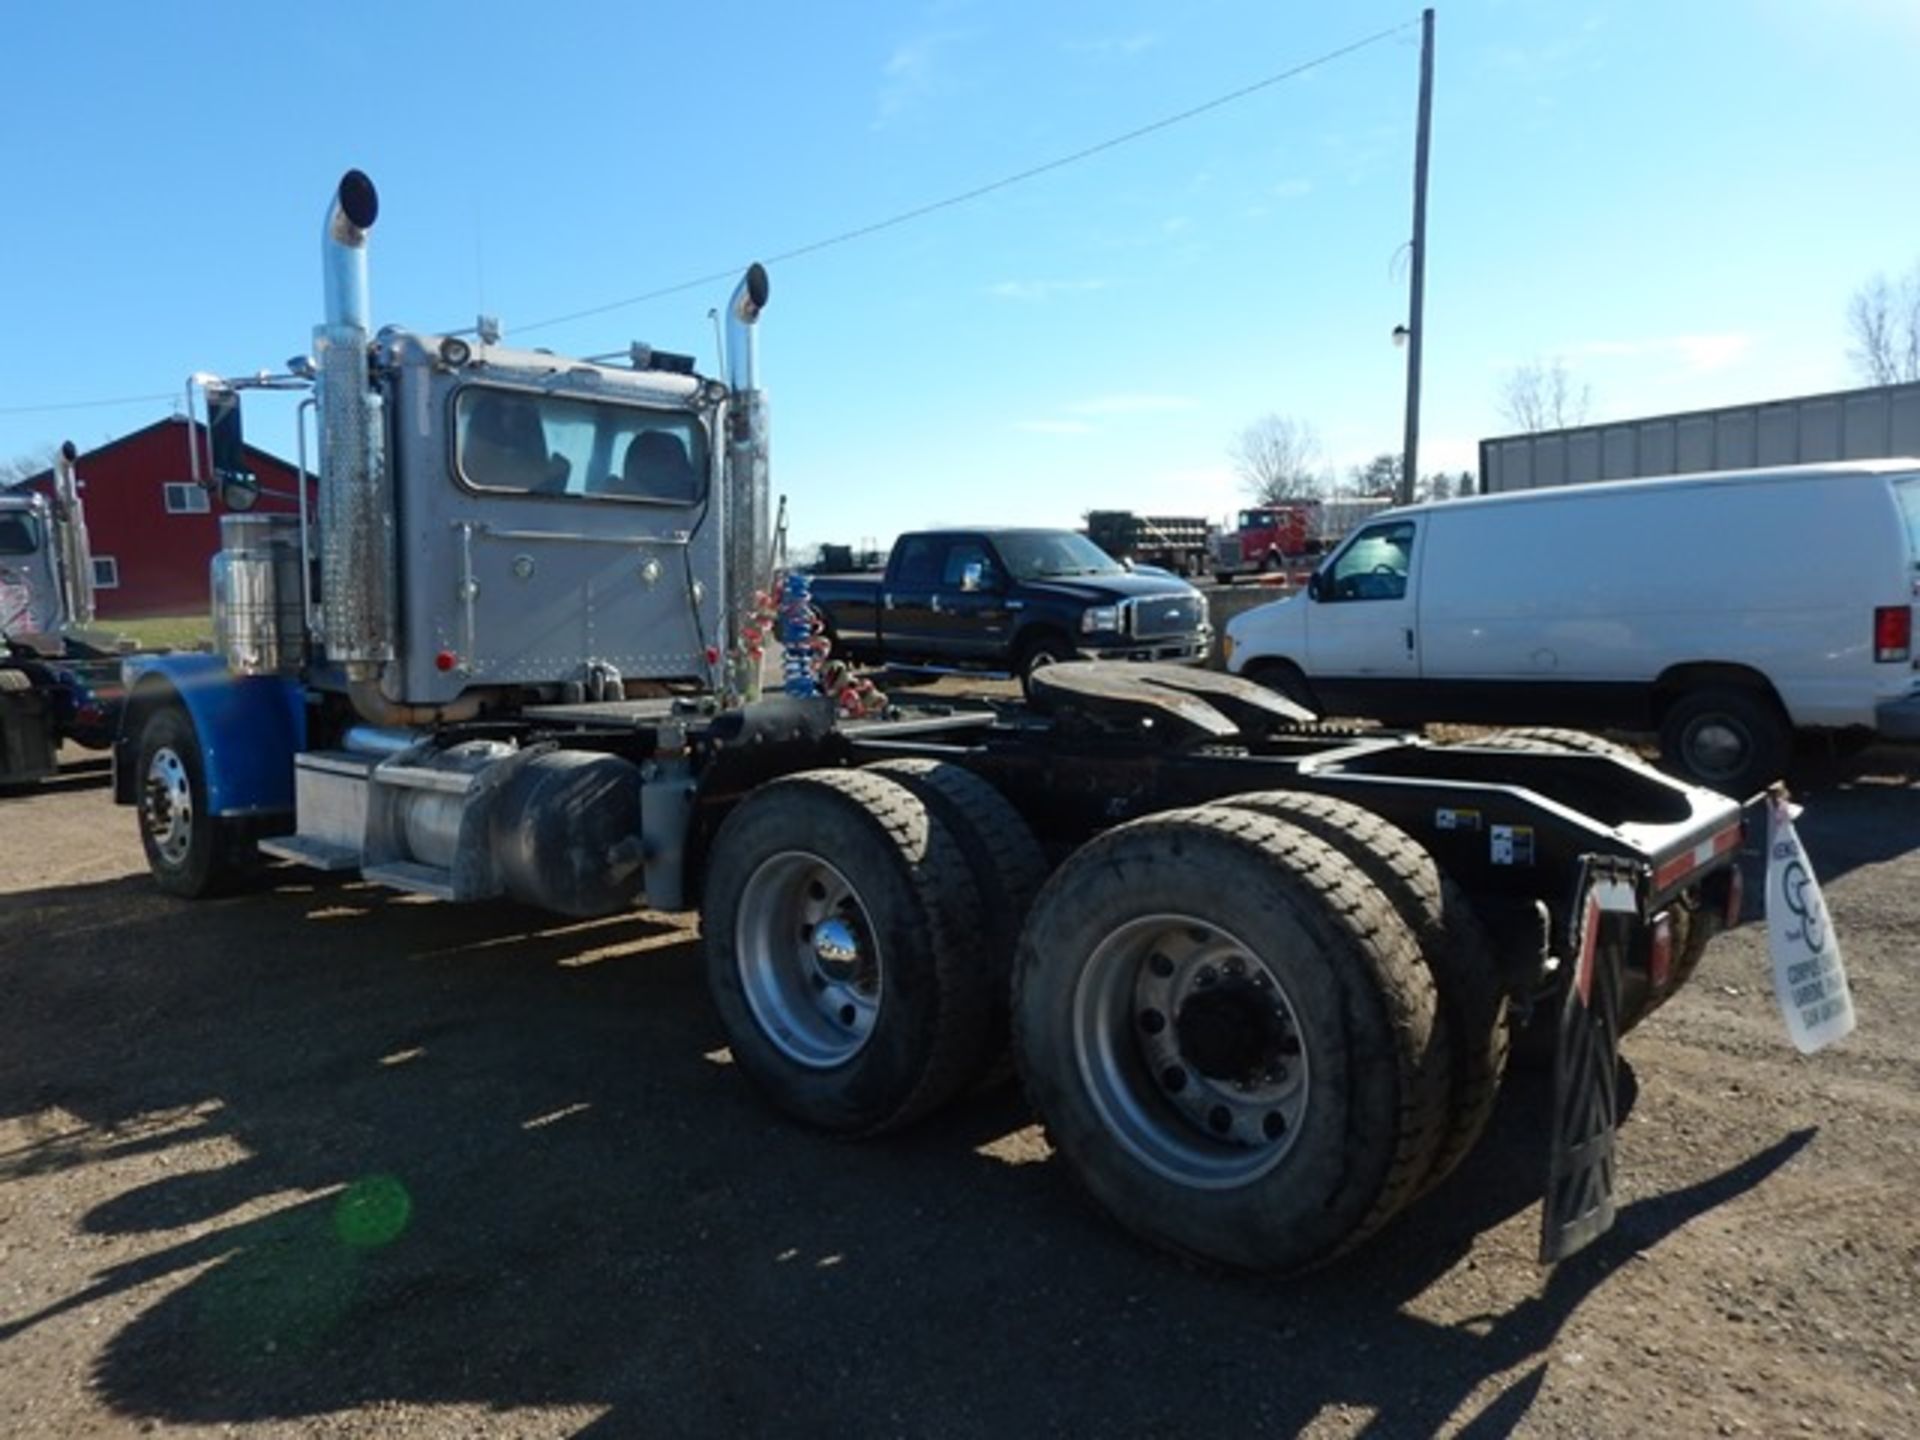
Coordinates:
239	486
1315	591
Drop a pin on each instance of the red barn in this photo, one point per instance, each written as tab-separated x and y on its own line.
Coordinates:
152	529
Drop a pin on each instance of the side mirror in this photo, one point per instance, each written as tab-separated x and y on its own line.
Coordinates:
973	576
1126	563
239	486
1315	590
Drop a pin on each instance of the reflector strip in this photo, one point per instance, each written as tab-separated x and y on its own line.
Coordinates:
1672	872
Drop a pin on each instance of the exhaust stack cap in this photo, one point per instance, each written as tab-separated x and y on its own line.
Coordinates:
751	298
358	205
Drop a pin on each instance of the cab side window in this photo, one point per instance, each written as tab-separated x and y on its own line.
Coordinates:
960	555
1376	566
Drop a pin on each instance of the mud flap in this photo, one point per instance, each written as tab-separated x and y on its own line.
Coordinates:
1579	1202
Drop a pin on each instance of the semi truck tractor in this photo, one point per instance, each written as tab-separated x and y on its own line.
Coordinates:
59	682
1260	975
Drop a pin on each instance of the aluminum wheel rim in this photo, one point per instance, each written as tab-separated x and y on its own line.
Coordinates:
1190	1049
167	806
808	960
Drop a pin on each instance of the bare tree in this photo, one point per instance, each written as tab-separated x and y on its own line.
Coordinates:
1884	317
1279	459
1379	476
1543	396
27	464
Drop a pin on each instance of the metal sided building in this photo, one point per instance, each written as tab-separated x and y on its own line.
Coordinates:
1871	424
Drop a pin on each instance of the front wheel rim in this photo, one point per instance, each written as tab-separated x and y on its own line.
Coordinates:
808	960
1191	1051
166	806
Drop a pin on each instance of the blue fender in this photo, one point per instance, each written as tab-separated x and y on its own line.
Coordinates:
249	726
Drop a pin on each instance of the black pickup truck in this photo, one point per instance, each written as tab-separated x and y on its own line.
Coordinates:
1009	601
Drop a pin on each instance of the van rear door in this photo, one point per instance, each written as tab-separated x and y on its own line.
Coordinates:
1362	643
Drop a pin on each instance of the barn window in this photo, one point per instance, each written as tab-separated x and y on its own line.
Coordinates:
186	499
106	573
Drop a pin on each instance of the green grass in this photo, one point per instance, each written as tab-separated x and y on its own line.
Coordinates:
166	632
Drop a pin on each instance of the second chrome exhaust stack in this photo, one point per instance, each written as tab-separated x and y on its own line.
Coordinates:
356	493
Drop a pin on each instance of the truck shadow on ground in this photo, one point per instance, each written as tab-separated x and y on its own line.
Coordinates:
426	1154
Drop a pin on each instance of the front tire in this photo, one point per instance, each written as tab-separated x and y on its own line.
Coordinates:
1231	1037
191	852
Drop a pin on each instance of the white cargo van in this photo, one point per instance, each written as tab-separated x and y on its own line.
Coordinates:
1724	611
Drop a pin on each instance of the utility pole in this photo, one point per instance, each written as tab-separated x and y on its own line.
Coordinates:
1417	271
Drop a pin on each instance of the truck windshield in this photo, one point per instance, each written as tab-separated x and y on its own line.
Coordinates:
532	444
1908	492
1050	554
19	534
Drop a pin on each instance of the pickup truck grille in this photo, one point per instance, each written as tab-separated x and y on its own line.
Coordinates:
1167	615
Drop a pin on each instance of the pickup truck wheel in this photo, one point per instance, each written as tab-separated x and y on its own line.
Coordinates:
191	852
1044	649
1731	740
1231	1037
1458	955
839	951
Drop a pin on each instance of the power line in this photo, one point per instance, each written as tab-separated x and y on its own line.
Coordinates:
88	404
860	232
1031	172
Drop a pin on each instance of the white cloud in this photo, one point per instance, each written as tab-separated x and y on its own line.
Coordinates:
909	76
1176	224
1036	290
1292	189
1133	404
1109	46
1054	427
1696	354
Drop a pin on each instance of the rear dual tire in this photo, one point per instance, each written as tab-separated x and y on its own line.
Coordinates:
1232	1038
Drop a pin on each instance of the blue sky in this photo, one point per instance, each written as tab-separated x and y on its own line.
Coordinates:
1678	198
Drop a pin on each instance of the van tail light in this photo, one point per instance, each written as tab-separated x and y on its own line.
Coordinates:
1892	632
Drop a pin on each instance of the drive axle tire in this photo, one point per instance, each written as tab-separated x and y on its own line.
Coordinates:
1458	954
1006	862
1552	737
191	852
837	915
1231	1038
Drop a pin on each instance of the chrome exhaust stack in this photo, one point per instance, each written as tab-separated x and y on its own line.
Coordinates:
72	551
748	528
356	497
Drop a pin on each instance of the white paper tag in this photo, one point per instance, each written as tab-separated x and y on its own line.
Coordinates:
1808	976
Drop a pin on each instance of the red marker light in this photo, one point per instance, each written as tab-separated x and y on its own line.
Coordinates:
445	660
713	655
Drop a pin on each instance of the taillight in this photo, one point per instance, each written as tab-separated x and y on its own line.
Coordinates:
1660	953
1893	632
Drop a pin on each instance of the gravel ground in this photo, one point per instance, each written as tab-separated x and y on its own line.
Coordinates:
322	1160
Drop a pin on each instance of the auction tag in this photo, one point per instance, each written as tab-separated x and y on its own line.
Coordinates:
1808	976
